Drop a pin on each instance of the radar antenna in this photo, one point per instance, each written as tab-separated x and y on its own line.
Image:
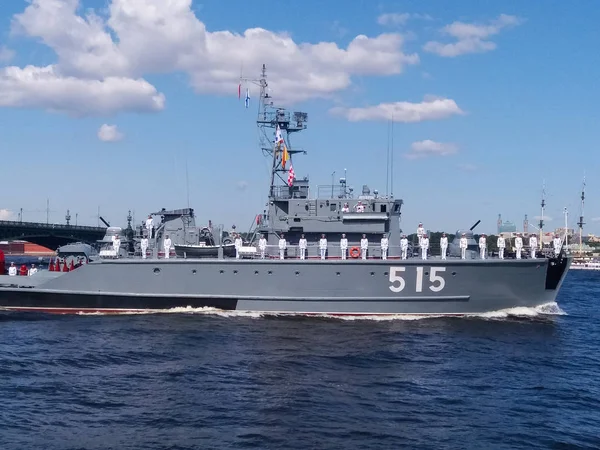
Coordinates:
276	145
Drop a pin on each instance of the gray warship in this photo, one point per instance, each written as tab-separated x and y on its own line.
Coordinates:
202	271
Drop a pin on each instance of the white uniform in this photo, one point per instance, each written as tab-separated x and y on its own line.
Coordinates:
444	246
345	209
149	225
501	245
32	271
360	208
518	246
420	233
238	245
144	245
533	245
424	247
482	245
167	247
364	247
302	244
12	271
262	246
557	243
344	247
463	247
282	247
116	246
404	247
323	247
384	247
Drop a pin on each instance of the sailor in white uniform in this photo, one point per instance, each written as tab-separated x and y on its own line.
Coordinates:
116	245
501	242
518	245
463	246
32	271
533	244
167	246
444	245
557	244
12	270
404	246
144	246
364	246
344	246
262	246
482	246
323	246
424	246
385	243
149	226
345	208
360	208
420	232
238	245
282	247
302	245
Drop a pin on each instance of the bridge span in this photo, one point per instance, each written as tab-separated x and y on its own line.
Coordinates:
49	235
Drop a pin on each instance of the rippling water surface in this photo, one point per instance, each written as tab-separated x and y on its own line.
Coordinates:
528	379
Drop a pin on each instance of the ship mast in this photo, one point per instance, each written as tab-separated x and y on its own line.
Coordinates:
269	119
542	216
581	223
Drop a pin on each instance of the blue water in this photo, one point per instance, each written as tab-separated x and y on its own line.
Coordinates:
189	381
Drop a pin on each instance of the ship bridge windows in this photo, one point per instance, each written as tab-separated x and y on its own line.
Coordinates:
383	208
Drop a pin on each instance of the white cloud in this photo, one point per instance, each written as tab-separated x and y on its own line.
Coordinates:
44	87
242	185
141	37
423	149
431	108
6	214
467	167
396	19
546	218
109	133
471	38
595	219
6	54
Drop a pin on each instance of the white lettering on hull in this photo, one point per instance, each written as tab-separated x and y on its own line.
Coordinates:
436	281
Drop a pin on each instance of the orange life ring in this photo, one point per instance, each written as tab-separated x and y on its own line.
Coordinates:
354	252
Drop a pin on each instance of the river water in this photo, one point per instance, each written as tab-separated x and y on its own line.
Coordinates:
199	379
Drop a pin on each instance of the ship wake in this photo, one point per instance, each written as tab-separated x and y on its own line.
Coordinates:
541	311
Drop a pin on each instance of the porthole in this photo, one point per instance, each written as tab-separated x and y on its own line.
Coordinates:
453	274
270	272
256	272
385	274
156	270
426	273
221	271
372	274
338	274
297	273
235	271
194	271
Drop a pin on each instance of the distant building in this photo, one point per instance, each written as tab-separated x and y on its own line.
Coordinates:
505	227
561	231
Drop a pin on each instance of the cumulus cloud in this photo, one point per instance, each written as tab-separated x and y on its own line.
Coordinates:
423	149
6	54
470	37
396	19
45	87
141	37
431	108
6	214
109	133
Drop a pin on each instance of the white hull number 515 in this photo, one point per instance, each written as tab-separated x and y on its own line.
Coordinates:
437	283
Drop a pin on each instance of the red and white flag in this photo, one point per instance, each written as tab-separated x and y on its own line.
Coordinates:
291	176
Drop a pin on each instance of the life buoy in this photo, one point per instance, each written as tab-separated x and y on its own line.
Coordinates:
354	252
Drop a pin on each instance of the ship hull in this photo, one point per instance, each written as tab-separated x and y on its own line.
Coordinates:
371	287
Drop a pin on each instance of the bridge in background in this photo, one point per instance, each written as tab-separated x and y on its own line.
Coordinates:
48	235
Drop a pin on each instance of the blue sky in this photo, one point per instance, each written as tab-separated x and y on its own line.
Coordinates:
480	124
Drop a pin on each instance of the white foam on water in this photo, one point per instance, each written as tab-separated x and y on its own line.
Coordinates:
548	309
